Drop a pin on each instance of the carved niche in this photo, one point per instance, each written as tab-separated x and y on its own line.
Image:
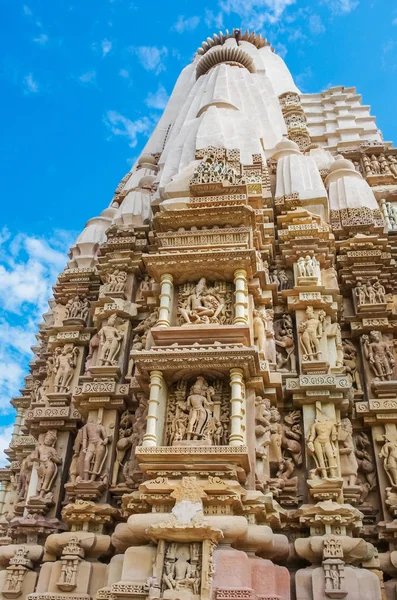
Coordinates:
205	302
182	570
198	413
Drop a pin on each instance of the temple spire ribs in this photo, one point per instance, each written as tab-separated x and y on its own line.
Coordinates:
211	411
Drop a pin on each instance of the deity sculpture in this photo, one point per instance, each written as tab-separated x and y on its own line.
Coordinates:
321	443
131	467
292	436
47	460
284	338
202	305
310	333
65	364
359	292
393	165
95	441
348	461
142	330
350	364
379	356
110	342
76	466
270	347
181	570
93	346
308	267
276	435
389	454
375	166
200	406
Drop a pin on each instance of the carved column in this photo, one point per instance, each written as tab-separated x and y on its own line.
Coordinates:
156	385
237	409
240	295
166	296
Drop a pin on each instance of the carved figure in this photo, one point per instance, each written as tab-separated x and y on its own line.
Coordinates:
131	467
259	332
270	347
393	165
380	292
286	361
65	364
95	441
321	443
125	441
348	461
23	479
142	330
310	333
76	466
379	355
350	364
77	308
116	281
182	569
48	460
203	305
93	346
199	404
359	292
292	436
262	436
110	342
364	459
375	166
389	455
276	434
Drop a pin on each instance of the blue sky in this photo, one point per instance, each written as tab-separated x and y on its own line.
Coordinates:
82	86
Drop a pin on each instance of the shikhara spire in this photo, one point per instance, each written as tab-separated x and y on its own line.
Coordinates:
211	409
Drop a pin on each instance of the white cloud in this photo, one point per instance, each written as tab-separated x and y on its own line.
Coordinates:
394	22
316	25
157	99
26	11
106	47
5	439
42	39
255	13
88	77
188	24
213	20
120	125
151	57
29	266
30	85
124	73
342	7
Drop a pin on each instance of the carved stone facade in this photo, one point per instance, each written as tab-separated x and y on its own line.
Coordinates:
211	411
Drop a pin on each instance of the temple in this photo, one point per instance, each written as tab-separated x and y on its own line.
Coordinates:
211	410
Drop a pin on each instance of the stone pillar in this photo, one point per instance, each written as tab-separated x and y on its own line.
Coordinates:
240	295
18	422
166	295
237	408
156	384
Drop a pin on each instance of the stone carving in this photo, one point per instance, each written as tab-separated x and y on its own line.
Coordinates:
182	569
389	454
65	364
264	334
47	460
370	293
37	393
379	355
350	364
76	466
334	568
284	337
15	573
110	343
72	554
310	333
93	347
282	279
321	444
131	471
308	268
292	437
95	441
116	281
23	478
334	331
202	303
77	308
365	461
142	330
262	437
191	417
348	461
124	443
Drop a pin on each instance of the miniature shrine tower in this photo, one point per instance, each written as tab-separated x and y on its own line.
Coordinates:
211	412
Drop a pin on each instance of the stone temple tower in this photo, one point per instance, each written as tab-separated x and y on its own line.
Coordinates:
211	412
